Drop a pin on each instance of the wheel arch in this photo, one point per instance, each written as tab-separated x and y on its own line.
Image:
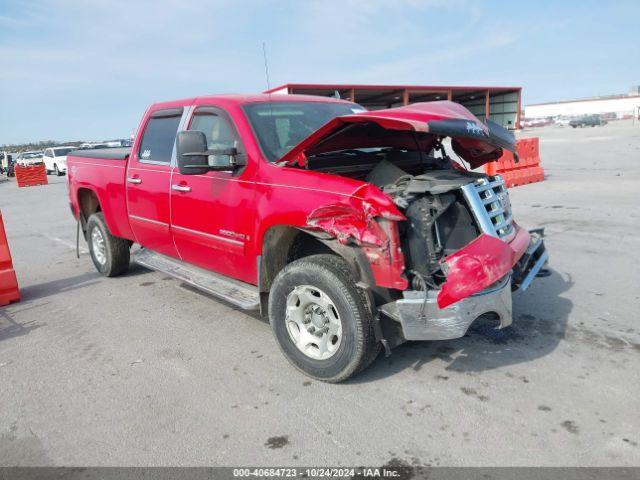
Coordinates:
88	204
282	244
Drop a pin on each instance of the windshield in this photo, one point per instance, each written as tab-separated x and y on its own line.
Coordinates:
280	126
61	152
32	154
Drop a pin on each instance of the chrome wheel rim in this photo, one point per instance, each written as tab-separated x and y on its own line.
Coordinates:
99	249
313	322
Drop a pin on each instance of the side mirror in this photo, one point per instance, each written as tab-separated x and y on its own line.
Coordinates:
193	154
191	148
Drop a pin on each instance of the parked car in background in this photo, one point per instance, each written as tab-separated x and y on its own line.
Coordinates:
6	164
26	159
89	146
587	121
535	122
55	159
563	121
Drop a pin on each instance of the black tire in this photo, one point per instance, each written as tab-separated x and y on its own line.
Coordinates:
56	170
358	347
116	250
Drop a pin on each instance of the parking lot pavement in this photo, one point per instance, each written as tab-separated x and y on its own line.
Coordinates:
141	370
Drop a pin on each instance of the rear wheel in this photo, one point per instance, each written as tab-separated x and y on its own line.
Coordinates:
321	320
110	254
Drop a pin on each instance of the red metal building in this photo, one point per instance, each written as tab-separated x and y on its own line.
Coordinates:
500	104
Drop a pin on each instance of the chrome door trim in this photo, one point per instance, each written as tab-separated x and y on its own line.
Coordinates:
149	220
209	235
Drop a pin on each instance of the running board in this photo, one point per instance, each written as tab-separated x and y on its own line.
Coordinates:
240	294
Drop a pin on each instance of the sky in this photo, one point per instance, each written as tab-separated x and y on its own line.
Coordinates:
74	69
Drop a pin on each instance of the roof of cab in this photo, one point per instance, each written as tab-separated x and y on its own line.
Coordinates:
242	99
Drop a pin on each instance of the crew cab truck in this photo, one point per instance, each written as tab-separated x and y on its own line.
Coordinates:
353	231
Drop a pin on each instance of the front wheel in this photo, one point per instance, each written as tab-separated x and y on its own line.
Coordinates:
110	254
56	170
321	320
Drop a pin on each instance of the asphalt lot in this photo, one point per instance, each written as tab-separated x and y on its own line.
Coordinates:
141	370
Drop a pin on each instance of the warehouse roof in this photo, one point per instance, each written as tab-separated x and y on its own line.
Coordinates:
390	94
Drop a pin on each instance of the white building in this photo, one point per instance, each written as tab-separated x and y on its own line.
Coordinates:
621	105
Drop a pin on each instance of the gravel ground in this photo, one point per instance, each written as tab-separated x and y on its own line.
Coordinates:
141	370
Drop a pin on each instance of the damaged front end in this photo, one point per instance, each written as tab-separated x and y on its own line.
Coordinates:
480	281
440	240
446	243
478	278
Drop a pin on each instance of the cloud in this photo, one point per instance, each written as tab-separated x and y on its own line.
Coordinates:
89	69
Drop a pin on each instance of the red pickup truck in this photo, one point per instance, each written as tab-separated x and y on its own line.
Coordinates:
353	230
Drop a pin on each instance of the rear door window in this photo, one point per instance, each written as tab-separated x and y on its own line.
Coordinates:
159	137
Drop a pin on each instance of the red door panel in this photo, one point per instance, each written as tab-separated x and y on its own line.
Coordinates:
212	215
148	206
212	220
148	181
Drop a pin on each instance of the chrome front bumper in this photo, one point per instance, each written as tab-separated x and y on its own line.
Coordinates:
422	319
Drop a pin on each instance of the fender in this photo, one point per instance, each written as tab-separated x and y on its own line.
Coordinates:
367	219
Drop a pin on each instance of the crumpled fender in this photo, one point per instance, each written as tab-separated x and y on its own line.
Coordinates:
367	219
348	224
480	264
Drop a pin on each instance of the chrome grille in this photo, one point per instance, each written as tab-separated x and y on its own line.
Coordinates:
491	207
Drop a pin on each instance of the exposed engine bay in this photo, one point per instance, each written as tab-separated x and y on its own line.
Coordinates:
427	189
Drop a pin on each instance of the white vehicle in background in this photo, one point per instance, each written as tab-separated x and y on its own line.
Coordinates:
27	159
55	159
562	121
6	163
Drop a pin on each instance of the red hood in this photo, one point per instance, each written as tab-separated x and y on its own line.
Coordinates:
473	140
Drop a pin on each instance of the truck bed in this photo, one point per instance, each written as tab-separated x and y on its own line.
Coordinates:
103	153
102	171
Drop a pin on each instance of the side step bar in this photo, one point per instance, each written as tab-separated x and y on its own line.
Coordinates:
240	294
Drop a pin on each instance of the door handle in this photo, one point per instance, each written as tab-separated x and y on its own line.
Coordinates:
181	188
135	180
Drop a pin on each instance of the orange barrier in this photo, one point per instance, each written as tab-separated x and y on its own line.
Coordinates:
526	170
8	282
31	176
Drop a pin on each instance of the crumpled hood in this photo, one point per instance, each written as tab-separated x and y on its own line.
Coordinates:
474	141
